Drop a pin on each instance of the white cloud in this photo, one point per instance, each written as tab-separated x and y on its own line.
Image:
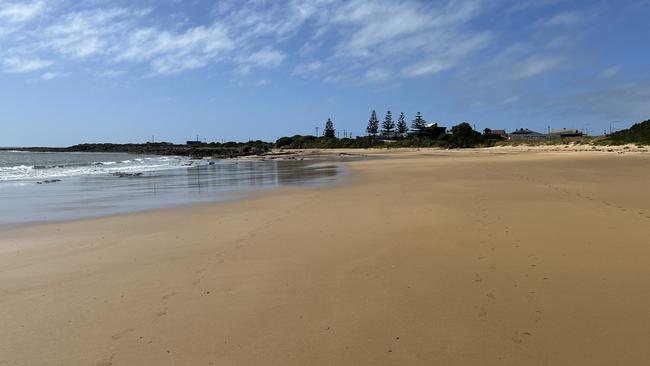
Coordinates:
525	5
267	57
17	64
87	33
401	37
511	99
307	69
444	58
377	75
330	40
534	66
563	19
18	12
170	52
610	72
262	82
52	75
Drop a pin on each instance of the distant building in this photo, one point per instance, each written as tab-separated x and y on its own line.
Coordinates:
392	135
501	133
526	134
430	130
195	142
566	133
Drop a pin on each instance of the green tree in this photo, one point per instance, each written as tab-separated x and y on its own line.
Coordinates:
463	135
418	123
388	124
402	128
329	129
373	124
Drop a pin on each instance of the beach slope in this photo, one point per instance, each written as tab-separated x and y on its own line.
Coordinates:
420	258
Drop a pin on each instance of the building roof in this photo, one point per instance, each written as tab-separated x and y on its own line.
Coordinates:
524	131
565	131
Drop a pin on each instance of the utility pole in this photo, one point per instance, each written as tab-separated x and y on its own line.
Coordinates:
316	131
611	124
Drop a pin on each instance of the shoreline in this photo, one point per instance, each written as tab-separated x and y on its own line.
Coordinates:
100	194
419	258
331	156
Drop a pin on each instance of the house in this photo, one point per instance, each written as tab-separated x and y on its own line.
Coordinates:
501	133
392	135
430	130
195	142
566	133
526	134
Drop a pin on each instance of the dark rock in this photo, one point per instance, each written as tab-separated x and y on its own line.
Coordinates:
125	175
49	181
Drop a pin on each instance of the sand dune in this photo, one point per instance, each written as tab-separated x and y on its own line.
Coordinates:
421	258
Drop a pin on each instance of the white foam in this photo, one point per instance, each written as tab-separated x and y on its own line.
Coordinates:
24	172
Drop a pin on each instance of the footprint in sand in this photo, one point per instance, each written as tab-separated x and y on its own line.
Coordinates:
521	337
168	296
121	334
108	362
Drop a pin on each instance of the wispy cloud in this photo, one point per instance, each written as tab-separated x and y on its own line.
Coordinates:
610	72
173	52
53	75
16	64
14	15
88	33
264	58
330	40
18	12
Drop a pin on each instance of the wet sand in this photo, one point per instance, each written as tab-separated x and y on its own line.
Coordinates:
424	258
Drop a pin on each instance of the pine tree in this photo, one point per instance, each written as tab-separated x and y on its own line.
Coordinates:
418	123
329	129
373	124
402	128
388	124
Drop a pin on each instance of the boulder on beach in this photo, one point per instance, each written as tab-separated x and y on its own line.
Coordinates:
49	181
124	175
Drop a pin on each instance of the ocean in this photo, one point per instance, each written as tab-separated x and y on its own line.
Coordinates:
62	186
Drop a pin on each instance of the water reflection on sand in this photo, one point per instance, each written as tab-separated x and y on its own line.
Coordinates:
88	196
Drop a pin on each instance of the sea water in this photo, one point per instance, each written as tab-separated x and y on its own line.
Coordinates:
62	186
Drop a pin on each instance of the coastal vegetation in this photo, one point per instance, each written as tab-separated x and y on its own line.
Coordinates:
385	134
389	134
214	149
421	134
637	134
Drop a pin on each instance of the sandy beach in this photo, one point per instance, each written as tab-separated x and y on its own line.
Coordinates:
422	257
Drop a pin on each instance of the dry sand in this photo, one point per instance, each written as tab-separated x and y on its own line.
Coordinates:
424	258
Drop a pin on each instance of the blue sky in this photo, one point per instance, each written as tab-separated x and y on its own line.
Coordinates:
121	71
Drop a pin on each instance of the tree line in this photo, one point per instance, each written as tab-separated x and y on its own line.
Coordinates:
396	134
388	126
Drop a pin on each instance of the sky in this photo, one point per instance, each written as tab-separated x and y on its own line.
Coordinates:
124	71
